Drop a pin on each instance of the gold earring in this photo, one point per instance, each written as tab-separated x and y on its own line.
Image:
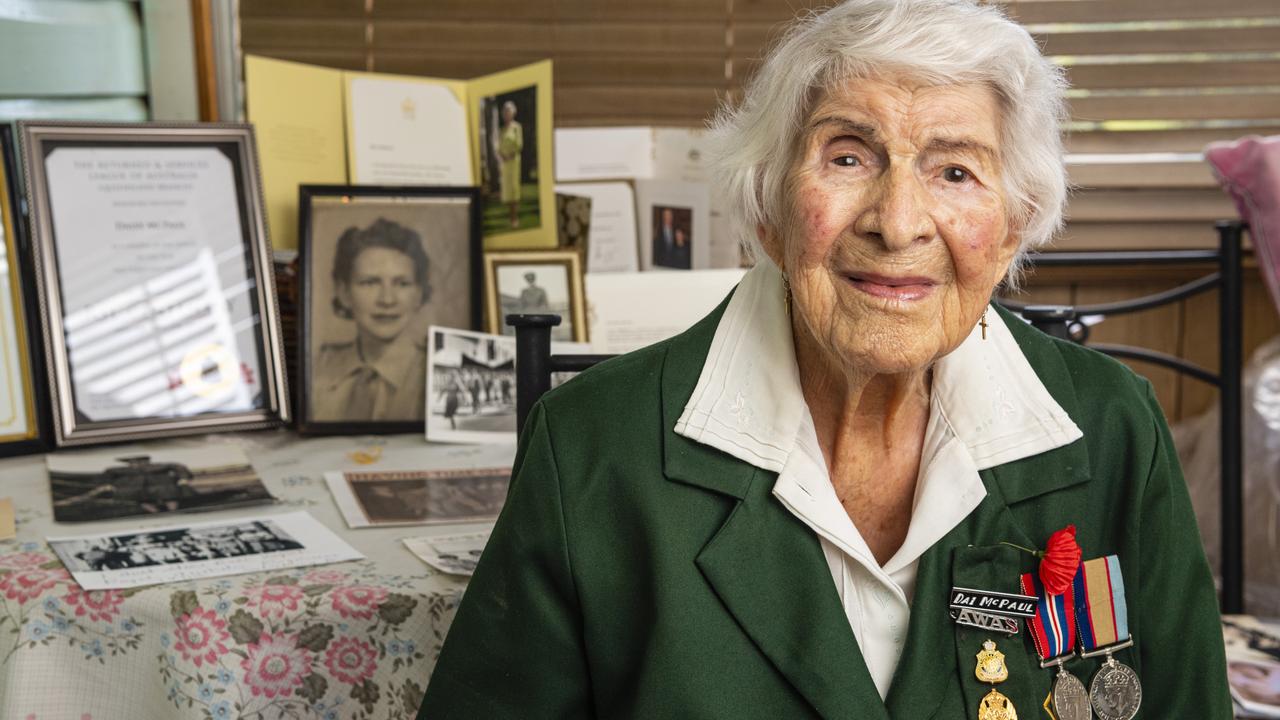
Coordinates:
786	295
983	323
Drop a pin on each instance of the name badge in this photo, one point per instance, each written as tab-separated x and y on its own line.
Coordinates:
994	603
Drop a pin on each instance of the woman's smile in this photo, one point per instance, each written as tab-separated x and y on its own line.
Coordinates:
903	289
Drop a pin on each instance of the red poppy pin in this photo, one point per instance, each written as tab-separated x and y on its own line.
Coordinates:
1058	561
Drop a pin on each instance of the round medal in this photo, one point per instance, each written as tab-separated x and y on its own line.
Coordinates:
1070	699
1115	693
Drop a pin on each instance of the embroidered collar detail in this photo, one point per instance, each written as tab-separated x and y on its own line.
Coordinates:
748	402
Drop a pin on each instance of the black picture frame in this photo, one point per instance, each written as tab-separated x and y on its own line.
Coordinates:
190	383
312	418
17	248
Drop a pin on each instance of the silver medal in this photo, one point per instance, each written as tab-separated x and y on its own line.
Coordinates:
1070	699
1115	693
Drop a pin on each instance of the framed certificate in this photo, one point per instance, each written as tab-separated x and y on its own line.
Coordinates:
379	267
21	399
154	278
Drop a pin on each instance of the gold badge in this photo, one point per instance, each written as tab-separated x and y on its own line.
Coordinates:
996	707
991	667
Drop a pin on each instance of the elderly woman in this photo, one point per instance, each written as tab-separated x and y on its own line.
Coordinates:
509	146
812	503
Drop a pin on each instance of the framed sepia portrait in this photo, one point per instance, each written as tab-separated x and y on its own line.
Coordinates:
536	283
379	266
154	278
21	399
512	118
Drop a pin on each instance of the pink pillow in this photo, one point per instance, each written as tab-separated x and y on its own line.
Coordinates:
1249	170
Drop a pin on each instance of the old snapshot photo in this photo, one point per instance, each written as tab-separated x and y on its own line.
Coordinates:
380	266
189	552
153	263
138	481
536	283
452	554
422	497
471	387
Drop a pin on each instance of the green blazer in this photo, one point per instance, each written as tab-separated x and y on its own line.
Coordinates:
635	573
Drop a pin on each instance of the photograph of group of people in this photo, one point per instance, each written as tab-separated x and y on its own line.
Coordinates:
166	547
472	387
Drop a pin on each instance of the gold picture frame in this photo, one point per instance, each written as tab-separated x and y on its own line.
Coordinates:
536	283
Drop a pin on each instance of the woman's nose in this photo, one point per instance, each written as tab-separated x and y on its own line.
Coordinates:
386	296
899	212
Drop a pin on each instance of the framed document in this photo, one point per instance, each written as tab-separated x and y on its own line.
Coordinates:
154	276
379	266
21	399
537	283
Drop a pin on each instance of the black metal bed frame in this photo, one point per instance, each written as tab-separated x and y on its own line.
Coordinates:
535	364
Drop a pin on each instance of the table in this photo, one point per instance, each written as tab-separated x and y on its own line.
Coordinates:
351	640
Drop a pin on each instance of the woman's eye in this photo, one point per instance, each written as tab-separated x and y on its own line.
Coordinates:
955	175
847	161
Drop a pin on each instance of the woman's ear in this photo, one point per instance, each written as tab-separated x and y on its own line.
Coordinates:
771	242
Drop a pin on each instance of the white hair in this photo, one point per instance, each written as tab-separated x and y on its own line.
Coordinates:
936	42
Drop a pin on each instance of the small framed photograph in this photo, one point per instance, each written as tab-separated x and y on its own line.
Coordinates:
22	401
379	266
154	276
511	113
675	230
536	283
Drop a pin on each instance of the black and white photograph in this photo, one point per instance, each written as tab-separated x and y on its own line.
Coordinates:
182	545
199	550
421	497
125	482
380	266
471	389
154	266
536	283
452	554
673	237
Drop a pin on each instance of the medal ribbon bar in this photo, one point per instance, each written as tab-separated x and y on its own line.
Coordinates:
1100	606
1053	629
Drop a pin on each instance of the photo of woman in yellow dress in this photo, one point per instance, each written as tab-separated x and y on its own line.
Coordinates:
509	161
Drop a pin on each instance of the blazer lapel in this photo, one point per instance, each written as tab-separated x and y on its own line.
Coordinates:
941	654
765	565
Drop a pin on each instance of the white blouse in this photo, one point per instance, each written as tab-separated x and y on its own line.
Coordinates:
987	407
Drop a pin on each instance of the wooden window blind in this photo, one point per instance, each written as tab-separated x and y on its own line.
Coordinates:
1152	80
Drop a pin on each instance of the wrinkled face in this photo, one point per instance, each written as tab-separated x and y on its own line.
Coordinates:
897	228
383	294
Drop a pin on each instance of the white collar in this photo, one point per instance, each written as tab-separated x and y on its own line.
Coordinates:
748	402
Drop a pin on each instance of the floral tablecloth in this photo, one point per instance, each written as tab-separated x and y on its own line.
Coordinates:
351	640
